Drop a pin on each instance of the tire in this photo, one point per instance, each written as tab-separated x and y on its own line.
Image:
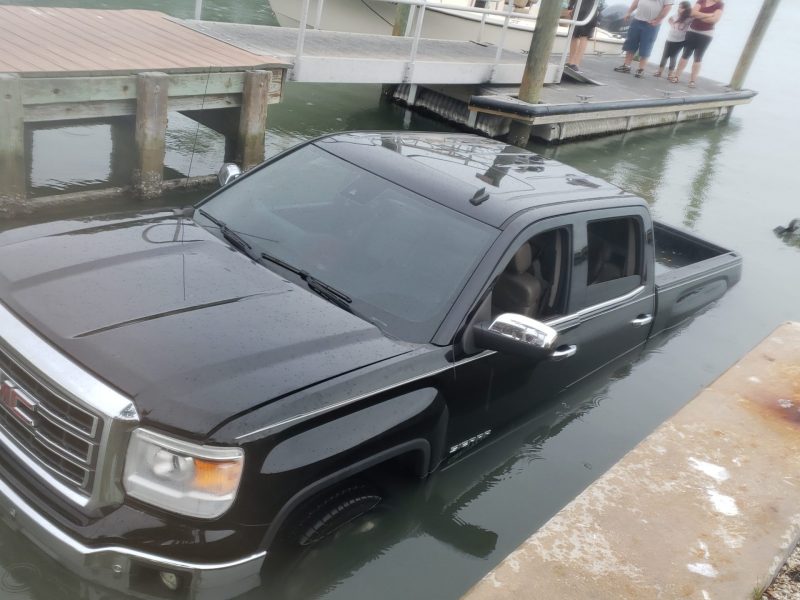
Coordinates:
333	509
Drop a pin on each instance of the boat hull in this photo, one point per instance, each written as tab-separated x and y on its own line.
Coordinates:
377	17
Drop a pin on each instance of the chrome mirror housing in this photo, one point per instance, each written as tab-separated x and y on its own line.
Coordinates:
227	173
516	334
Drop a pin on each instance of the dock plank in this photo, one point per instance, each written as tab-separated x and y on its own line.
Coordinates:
77	41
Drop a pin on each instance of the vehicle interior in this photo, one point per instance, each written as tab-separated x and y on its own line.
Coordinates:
533	283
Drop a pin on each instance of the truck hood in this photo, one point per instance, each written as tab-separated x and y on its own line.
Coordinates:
191	329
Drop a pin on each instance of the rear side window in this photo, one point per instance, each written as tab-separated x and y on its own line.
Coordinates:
615	258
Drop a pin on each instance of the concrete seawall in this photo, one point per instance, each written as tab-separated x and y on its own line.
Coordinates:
707	507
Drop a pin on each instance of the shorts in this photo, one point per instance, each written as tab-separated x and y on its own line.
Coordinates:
586	31
697	43
641	37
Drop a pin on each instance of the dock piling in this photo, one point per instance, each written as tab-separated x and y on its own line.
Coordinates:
253	119
544	34
12	139
152	93
753	42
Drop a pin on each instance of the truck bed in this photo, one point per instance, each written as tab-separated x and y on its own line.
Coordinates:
690	274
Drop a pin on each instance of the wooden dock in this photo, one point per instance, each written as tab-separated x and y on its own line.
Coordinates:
129	67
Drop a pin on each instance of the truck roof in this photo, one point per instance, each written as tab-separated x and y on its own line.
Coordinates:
483	178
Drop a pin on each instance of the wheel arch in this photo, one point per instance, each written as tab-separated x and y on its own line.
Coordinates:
418	449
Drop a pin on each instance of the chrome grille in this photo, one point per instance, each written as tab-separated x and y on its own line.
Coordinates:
61	436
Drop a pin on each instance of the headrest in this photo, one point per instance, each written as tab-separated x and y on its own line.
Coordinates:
522	260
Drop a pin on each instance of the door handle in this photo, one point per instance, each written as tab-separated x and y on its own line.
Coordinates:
564	352
642	320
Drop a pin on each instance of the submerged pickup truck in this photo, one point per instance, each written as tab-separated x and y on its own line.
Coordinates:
179	390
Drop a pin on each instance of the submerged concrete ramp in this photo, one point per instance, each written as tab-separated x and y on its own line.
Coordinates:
707	507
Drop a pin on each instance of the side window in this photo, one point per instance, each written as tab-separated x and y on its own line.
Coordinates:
615	258
535	282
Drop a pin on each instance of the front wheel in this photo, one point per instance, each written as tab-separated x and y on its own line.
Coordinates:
328	512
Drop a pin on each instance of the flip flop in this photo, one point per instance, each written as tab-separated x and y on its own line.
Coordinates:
692	84
673	80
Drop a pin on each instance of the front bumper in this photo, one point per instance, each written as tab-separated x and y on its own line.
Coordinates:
127	569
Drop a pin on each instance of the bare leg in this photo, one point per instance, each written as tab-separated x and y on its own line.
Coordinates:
695	70
572	59
582	43
681	66
642	63
628	58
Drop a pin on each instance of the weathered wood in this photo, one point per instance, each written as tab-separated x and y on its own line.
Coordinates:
152	91
62	90
13	174
253	119
401	19
544	34
52	40
753	42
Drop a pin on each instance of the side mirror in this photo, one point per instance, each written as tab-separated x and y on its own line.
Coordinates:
516	334
227	173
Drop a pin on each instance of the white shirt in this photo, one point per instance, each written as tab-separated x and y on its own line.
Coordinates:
647	10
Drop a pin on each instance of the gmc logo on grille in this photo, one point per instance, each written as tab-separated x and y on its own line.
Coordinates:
17	403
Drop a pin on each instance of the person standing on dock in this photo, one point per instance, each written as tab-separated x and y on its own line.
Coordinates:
647	17
675	38
705	14
582	33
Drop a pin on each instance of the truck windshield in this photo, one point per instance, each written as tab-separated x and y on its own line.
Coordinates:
401	257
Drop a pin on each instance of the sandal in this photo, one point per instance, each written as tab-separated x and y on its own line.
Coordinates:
639	73
623	69
692	84
673	79
658	73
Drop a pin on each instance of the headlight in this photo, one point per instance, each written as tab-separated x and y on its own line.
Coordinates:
181	477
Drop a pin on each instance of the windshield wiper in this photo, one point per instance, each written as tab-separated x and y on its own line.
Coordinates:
229	234
320	287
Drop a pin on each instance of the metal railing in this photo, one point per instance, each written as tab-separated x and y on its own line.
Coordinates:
417	16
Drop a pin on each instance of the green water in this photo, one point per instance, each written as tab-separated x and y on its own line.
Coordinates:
731	183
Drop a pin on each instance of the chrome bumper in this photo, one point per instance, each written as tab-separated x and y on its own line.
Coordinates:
113	566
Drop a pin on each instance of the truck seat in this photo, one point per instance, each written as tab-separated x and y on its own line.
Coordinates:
517	289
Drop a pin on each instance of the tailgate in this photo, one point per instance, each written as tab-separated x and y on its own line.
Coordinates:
690	274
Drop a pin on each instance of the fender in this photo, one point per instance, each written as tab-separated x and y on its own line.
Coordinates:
423	410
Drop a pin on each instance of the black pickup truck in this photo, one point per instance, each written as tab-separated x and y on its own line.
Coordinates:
179	390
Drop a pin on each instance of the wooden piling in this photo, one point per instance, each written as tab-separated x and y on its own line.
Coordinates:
253	119
401	19
544	34
753	42
152	93
12	140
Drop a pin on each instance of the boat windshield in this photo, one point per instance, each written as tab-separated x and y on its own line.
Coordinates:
399	257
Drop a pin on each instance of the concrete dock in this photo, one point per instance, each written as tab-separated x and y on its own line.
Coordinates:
707	507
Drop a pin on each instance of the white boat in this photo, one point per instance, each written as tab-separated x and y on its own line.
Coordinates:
377	17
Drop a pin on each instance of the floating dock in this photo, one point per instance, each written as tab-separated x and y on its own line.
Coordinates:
707	507
619	102
475	85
